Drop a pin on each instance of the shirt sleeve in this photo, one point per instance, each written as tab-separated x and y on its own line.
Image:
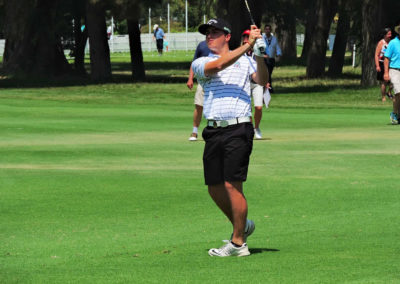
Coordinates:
198	67
266	44
253	66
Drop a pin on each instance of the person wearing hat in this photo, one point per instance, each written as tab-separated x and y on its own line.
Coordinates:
159	37
257	92
225	76
392	72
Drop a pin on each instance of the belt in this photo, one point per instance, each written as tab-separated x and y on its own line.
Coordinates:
225	123
398	69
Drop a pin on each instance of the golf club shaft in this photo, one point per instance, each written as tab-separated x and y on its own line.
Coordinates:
253	22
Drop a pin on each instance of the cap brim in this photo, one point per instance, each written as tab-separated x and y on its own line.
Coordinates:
203	28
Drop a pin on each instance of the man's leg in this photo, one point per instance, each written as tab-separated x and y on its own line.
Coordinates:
383	91
257	116
198	112
230	199
396	105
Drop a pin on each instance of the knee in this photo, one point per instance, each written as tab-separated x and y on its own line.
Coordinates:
258	108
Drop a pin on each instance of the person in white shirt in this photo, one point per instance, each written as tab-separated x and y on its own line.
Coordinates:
225	77
273	53
257	92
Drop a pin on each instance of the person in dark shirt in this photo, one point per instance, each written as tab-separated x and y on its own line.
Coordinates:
201	50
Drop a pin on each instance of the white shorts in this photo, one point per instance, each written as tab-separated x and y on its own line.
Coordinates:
257	92
199	96
394	75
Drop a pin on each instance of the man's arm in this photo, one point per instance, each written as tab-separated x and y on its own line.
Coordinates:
386	74
229	58
278	48
189	83
261	76
226	60
377	51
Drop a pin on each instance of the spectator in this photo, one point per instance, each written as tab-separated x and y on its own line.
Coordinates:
159	38
392	72
201	50
257	91
273	53
379	58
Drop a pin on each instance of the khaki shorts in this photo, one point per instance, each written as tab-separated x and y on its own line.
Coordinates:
257	92
394	75
199	96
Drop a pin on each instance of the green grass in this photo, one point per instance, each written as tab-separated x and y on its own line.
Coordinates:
98	184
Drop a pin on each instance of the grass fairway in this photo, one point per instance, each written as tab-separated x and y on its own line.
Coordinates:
98	184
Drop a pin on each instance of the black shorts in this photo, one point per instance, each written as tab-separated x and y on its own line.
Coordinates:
379	75
227	153
160	43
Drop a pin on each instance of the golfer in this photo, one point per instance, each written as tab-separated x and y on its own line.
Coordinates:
392	72
225	77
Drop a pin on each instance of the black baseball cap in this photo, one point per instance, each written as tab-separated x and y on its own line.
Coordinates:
216	23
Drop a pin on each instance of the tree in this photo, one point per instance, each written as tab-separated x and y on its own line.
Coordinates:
317	53
342	32
80	36
137	64
32	44
100	64
371	9
286	28
310	24
236	14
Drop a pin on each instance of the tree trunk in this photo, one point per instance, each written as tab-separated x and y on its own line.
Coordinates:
100	64
138	70
80	38
317	53
311	22
32	46
286	33
79	52
371	9
339	47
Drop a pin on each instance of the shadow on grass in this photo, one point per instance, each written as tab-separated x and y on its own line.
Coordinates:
156	73
261	250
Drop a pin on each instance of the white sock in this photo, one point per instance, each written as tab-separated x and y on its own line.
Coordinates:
194	129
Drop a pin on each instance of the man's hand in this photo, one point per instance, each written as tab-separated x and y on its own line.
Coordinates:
255	33
189	83
378	69
259	48
386	77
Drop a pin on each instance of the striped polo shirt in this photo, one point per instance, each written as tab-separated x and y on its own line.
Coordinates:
226	93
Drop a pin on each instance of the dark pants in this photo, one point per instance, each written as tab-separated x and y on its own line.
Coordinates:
227	153
160	44
270	65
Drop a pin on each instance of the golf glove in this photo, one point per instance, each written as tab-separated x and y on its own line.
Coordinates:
259	47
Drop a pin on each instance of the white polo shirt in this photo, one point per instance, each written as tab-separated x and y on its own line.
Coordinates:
226	93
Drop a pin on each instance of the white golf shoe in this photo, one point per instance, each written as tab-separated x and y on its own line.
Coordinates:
257	133
193	137
230	250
